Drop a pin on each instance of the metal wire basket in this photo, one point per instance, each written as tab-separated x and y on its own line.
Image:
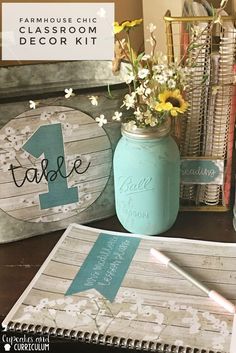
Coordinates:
206	132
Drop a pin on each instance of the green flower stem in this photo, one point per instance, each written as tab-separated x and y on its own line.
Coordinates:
124	51
208	28
131	57
155	44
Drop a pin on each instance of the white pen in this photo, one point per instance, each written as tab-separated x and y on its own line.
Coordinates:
218	298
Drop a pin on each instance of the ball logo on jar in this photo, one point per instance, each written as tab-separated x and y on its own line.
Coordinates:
130	185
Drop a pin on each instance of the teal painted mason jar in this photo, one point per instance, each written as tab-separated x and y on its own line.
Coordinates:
147	179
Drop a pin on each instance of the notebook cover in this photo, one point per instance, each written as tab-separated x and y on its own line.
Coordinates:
107	285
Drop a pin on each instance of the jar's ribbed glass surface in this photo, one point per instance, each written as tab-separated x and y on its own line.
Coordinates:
147	180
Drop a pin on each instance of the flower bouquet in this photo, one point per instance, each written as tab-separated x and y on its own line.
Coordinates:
156	87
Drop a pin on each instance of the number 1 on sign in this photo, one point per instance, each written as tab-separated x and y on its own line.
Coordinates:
48	140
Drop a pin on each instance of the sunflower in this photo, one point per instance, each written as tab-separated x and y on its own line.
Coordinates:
126	25
118	27
171	101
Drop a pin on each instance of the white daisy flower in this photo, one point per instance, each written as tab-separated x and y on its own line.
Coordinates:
88	197
29	308
10	131
171	83
45	116
129	77
117	116
151	27
159	68
143	73
65	208
150	120
147	311
69	92
14	138
140	90
146	57
148	91
32	104
101	120
67	126
57	209
30	202
170	72
44	301
138	114
62	117
94	100
131	125
161	79
129	100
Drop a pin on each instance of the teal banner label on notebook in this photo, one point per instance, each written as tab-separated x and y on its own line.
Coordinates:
106	265
202	171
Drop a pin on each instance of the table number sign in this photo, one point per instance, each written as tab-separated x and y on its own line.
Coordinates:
55	162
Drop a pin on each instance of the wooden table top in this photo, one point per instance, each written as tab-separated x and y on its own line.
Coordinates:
19	261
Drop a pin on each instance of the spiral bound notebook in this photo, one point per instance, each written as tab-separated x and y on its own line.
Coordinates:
106	288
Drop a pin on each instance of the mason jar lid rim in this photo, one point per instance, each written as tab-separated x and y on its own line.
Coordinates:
147	132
